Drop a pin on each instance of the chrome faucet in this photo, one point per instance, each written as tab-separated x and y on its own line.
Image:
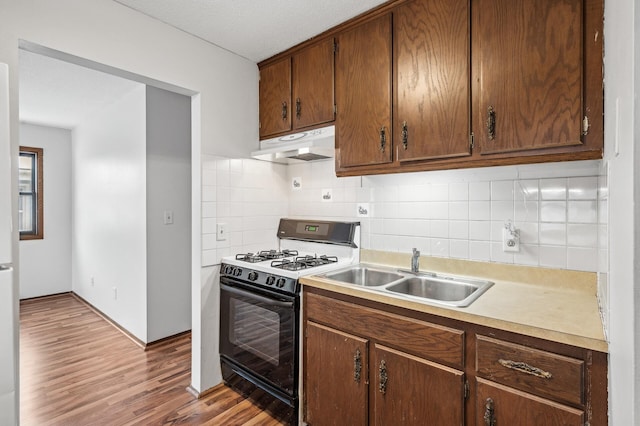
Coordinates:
415	260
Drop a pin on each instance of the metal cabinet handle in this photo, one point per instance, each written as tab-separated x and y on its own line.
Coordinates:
382	372
489	418
298	108
357	366
491	123
405	135
383	138
284	110
523	367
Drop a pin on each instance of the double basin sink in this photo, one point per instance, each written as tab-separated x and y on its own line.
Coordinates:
423	287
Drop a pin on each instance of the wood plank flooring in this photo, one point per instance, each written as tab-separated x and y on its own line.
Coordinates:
77	369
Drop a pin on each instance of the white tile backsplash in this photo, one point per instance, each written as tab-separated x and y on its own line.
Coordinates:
560	209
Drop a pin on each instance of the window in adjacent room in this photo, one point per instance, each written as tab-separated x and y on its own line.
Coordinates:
30	203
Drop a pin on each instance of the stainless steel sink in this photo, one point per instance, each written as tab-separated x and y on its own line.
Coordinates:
451	291
423	287
365	276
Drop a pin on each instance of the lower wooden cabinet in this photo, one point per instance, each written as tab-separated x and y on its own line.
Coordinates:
336	377
409	390
369	363
501	405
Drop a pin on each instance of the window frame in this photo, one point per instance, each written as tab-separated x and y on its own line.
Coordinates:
38	185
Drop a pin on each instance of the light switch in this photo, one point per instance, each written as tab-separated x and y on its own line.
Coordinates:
168	217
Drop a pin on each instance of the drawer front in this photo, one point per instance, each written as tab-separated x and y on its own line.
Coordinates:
431	341
531	370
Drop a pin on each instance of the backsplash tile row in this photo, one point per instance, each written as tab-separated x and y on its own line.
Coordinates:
562	220
458	214
249	197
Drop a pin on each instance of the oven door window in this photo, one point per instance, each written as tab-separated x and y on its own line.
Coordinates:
258	332
255	329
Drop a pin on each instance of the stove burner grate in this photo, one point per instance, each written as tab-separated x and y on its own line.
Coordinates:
263	255
303	262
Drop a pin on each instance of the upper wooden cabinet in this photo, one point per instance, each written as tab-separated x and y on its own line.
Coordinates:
363	95
442	84
297	91
529	75
431	64
275	98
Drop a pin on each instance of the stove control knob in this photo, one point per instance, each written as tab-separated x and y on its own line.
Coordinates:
280	282
253	275
237	272
271	279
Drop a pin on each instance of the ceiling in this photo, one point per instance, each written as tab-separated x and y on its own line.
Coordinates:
61	94
254	29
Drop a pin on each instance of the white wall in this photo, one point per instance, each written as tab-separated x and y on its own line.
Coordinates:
622	138
224	109
45	264
168	189
109	212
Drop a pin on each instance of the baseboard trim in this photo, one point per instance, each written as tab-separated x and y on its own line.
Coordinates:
106	317
199	395
158	342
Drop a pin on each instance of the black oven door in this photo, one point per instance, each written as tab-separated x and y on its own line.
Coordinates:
258	333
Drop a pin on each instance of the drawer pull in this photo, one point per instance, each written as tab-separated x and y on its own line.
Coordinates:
523	367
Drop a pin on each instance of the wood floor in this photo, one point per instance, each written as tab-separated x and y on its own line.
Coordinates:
77	369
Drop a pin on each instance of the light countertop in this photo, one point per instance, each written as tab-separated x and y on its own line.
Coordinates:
556	305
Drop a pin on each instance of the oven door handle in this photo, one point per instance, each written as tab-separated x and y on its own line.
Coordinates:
256	297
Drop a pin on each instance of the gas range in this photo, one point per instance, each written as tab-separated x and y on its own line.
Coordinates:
305	247
260	309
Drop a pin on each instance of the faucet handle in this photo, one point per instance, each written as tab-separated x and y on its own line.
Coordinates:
416	252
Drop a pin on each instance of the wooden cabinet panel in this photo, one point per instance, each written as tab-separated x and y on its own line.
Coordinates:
543	373
436	342
431	63
413	391
336	377
313	85
363	94
511	407
529	71
275	98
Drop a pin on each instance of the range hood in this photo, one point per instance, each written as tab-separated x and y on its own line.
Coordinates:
312	145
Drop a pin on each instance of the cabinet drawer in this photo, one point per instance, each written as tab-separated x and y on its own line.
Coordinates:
421	338
531	370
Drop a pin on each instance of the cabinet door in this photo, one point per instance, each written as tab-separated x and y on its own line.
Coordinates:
313	85
432	73
363	95
528	74
501	405
408	390
336	377
275	98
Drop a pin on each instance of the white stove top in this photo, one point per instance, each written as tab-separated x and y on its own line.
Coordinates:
265	265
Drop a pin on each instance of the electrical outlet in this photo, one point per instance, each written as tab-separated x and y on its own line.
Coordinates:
93	282
115	293
327	195
221	231
363	210
510	239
